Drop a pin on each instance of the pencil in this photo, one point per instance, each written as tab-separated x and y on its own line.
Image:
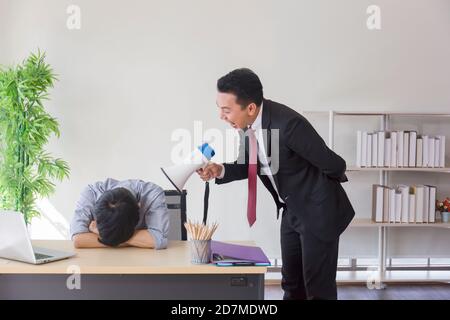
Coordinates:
200	231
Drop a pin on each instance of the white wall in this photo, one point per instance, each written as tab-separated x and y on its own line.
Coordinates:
138	70
4	43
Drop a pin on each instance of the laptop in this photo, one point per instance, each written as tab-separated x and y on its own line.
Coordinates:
15	243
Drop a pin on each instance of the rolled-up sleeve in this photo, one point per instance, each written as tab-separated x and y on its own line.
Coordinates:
83	213
156	214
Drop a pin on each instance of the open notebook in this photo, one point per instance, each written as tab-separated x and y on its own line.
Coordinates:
227	254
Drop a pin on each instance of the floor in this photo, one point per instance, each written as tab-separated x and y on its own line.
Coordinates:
391	292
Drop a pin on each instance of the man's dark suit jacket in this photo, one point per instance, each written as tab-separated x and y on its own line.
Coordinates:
309	175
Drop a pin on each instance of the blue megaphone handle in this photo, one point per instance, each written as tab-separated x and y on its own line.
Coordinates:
207	151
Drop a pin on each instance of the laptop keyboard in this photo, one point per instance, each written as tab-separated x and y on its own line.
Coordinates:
40	256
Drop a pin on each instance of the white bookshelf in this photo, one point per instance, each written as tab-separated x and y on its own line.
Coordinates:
412	169
367	222
394	276
378	113
384	173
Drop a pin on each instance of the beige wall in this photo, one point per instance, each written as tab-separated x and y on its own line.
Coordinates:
138	70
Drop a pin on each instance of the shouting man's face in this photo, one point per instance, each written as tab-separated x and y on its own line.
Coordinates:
230	111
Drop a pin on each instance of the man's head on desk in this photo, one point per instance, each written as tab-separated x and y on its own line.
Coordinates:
116	215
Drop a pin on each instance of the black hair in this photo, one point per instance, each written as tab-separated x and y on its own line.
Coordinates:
244	84
117	214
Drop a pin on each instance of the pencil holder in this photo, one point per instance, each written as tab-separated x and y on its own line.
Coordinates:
200	251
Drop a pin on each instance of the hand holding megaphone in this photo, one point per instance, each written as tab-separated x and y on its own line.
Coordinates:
199	158
198	161
210	171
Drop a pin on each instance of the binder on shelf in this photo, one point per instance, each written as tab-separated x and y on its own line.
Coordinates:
431	144
412	148
400	139
426	151
393	149
377	202
369	150
437	157
442	152
432	203
412	205
406	149
419	191
381	138
405	203
398	206
375	149
386	204
426	203
391	205
387	152
419	158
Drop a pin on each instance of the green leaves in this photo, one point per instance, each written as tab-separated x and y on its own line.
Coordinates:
26	170
54	168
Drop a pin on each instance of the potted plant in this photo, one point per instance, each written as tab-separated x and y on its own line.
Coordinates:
443	207
27	171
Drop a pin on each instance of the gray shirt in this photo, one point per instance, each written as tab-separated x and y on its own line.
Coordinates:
153	214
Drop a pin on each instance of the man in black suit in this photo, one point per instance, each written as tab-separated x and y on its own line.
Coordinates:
302	174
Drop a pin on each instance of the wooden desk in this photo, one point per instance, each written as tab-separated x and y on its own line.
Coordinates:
128	273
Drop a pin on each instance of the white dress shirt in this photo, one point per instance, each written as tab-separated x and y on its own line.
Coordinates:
262	155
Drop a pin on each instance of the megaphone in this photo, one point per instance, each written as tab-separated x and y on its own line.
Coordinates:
179	174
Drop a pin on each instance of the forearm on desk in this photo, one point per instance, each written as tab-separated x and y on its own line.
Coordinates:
142	239
87	240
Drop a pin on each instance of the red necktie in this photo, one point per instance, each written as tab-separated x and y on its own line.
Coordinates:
252	166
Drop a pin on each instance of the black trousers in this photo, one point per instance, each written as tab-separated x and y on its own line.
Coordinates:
309	264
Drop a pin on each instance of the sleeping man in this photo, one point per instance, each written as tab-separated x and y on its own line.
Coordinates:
116	213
